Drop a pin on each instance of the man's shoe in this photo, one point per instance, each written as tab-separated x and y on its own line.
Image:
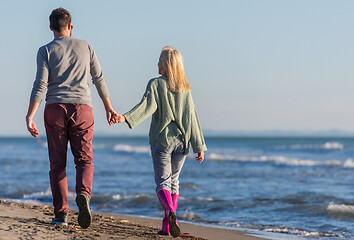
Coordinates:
61	221
85	217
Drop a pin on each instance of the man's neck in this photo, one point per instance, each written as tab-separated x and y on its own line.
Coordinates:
61	34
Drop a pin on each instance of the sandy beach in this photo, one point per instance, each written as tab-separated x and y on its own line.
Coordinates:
26	221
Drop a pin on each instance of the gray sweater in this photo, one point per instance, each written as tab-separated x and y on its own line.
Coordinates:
63	67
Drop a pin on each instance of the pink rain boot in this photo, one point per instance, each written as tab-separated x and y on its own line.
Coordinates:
164	197
169	222
175	203
165	227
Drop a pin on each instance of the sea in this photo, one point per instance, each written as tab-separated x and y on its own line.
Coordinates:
292	187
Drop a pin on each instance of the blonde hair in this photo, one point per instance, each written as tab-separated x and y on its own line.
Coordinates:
173	68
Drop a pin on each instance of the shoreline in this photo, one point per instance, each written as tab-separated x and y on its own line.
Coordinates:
27	221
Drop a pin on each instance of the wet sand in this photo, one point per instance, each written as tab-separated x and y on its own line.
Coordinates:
26	221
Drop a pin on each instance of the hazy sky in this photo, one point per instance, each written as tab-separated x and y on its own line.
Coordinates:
253	65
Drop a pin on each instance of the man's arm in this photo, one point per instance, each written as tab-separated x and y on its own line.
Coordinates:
99	82
38	90
31	126
110	113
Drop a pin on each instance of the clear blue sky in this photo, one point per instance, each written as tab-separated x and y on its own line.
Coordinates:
253	65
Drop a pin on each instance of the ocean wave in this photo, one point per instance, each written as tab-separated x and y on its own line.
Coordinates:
45	195
343	209
25	201
36	195
205	199
275	160
349	163
332	146
284	230
299	232
117	197
134	197
131	149
325	146
189	185
188	215
99	146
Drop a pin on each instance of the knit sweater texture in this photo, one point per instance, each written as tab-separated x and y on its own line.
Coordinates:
64	67
173	115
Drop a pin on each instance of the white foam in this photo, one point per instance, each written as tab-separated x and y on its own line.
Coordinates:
340	208
47	193
99	146
332	145
299	232
131	149
205	199
188	215
119	197
325	146
236	224
274	159
349	163
25	201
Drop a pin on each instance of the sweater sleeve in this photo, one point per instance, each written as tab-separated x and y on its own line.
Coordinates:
144	109
97	75
41	82
197	139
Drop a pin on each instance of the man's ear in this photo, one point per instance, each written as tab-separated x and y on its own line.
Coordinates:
51	29
69	26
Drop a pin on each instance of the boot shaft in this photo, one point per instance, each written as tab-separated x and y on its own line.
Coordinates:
165	199
175	201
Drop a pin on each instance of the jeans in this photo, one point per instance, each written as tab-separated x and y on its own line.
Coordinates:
168	164
69	123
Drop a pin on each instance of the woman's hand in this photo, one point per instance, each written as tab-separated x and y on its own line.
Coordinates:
120	118
200	157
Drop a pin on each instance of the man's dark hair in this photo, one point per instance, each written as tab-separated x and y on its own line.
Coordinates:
59	19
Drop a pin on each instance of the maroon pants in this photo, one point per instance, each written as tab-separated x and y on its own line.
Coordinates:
69	123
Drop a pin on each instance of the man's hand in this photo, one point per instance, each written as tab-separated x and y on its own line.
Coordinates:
111	116
200	157
31	127
118	118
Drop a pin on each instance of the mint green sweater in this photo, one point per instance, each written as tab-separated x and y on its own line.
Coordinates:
173	115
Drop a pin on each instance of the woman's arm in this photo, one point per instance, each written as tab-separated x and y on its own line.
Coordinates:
197	138
144	109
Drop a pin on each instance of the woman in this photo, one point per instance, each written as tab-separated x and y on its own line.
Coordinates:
174	126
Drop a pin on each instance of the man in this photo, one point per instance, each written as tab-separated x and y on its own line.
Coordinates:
63	69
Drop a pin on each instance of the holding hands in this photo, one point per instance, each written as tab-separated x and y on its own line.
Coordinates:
111	116
117	118
120	118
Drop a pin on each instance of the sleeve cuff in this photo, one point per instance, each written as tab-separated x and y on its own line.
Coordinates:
131	123
197	149
36	99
